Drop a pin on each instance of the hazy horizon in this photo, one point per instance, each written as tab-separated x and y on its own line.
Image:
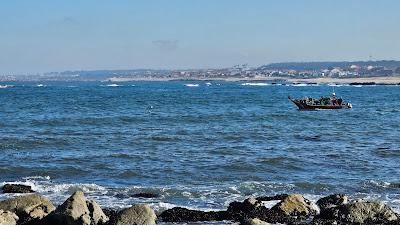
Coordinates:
50	36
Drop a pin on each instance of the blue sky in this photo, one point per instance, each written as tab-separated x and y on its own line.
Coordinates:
55	35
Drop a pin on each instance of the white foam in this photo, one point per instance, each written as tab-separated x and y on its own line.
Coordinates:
255	84
335	85
40	85
303	85
191	85
270	204
6	86
208	84
113	85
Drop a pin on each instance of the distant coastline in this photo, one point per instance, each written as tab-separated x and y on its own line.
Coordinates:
382	72
392	80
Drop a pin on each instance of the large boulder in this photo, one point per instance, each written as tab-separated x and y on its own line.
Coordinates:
295	205
332	201
8	218
137	215
179	215
360	212
16	188
77	210
28	207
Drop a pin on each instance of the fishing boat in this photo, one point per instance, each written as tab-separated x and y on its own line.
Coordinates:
322	103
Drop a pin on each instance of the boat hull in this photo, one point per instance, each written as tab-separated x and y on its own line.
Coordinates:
304	106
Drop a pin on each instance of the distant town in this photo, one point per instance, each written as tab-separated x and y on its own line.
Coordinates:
300	70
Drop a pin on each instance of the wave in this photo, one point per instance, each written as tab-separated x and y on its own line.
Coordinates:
337	85
191	85
6	86
113	85
195	197
303	84
255	84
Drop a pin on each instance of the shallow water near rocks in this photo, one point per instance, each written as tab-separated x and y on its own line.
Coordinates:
197	144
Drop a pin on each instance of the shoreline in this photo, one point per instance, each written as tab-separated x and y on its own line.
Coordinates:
32	208
393	80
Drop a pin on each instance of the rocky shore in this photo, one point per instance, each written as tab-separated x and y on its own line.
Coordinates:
294	209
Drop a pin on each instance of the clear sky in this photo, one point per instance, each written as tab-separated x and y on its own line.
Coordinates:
57	35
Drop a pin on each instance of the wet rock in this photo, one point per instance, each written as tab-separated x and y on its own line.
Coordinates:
332	201
16	188
76	210
360	212
295	205
272	198
145	195
137	195
179	214
8	218
254	208
245	209
254	221
112	215
137	215
29	208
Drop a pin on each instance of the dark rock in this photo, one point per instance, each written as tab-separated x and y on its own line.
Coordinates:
272	198
112	215
248	209
145	195
362	83
137	195
359	212
137	215
179	214
253	208
332	201
17	188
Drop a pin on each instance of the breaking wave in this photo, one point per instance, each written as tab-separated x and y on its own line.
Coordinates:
255	84
191	85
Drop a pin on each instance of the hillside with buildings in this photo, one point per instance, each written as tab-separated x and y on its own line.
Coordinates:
357	69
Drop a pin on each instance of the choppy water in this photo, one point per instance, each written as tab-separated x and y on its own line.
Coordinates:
198	144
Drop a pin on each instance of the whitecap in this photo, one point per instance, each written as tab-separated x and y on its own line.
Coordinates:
113	85
299	85
335	85
6	86
208	84
40	85
191	85
255	84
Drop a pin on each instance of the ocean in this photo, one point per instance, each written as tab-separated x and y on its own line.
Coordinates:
197	144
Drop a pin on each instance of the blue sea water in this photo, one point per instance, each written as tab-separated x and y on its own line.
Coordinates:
201	145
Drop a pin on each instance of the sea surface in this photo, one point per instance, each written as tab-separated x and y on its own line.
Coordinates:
197	144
